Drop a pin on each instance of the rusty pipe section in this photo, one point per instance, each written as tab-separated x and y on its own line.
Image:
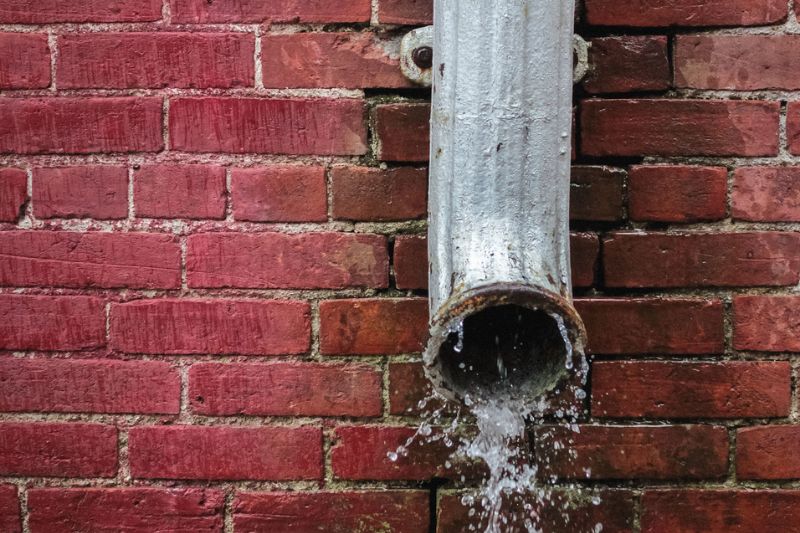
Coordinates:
502	319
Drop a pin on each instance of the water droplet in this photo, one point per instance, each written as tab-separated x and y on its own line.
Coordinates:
392	456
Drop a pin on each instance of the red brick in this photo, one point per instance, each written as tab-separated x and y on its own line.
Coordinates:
226	453
677	193
58	450
95	259
372	194
280	260
766	323
9	510
737	62
585	251
51	322
272	126
47	11
126	509
560	512
639	260
768	453
99	192
180	191
366	327
402	131
349	60
653	325
408	386
679	127
766	194
190	326
80	125
411	262
155	60
280	193
285	389
643	13
634	452
597	194
13	193
360	453
653	389
274	11
397	511
720	511
793	127
26	61
627	64
406	12
78	386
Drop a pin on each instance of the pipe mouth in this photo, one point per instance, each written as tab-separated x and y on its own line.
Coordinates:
504	341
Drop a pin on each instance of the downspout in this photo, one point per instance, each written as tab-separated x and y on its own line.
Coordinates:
502	319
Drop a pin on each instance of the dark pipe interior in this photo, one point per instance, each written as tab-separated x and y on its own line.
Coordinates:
505	350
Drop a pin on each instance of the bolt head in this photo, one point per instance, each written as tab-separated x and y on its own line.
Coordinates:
423	57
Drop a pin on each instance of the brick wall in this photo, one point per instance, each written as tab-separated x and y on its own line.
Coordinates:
213	269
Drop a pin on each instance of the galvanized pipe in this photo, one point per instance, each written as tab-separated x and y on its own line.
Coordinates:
499	198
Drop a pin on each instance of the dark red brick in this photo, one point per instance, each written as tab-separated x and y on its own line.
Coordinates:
767	453
679	128
677	193
226	453
47	11
372	194
408	386
180	191
793	127
270	126
643	13
411	262
26	60
279	260
9	510
191	326
13	193
280	193
95	259
99	192
78	386
585	250
627	64
766	323
406	12
274	11
766	194
285	389
402	131
597	194
653	389
380	326
58	450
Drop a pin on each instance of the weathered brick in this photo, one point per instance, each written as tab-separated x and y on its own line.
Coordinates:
26	60
663	193
13	193
350	60
766	194
407	12
99	192
720	511
285	389
226	453
396	511
279	260
280	193
585	250
793	127
767	452
597	194
634	452
191	326
380	326
653	325
84	386
643	13
69	125
179	191
9	510
263	125
679	127
371	194
274	11
94	259
766	323
408	386
737	62
47	11
627	64
653	389
402	131
155	60
702	259
125	509
57	450
60	323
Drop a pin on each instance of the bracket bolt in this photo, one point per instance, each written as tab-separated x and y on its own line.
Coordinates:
423	57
